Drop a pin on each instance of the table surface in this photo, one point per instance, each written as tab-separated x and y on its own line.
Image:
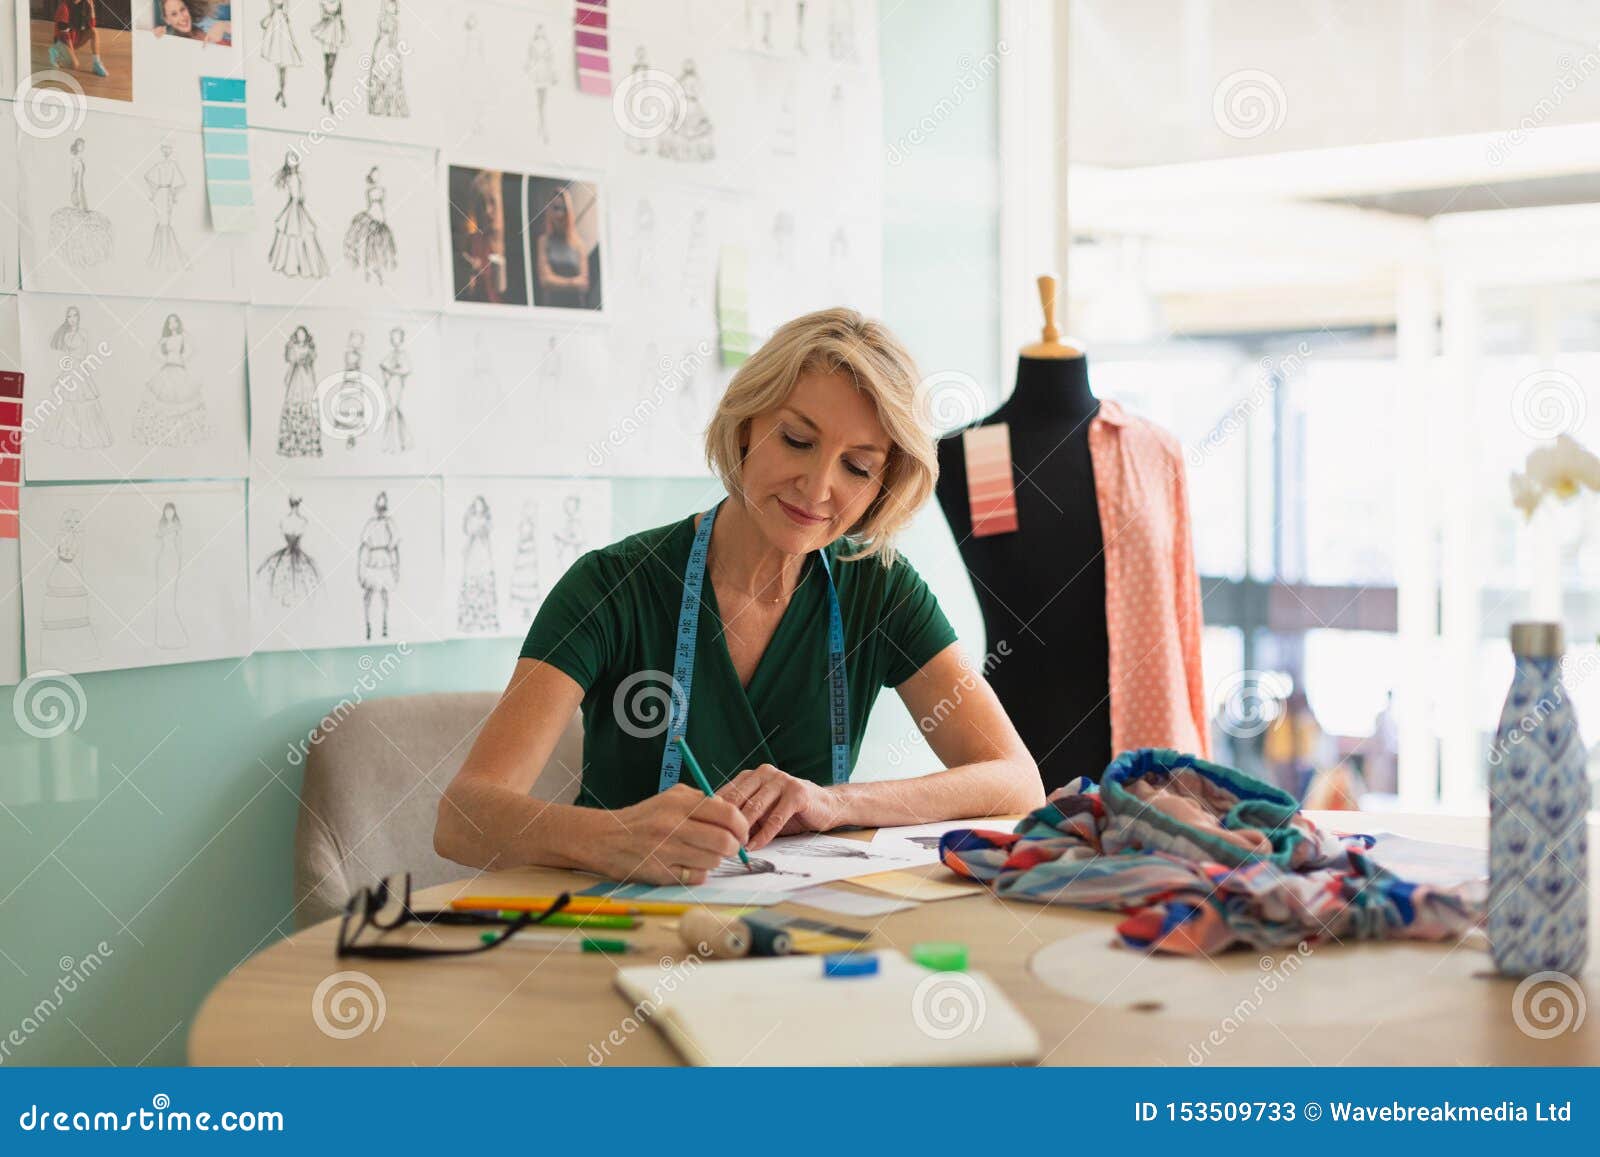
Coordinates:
1338	1004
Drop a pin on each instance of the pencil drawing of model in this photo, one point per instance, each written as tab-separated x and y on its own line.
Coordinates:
571	540
525	591
477	84
331	33
691	138
172	411
378	563
733	868
396	367
170	632
386	85
299	424
77	420
82	236
477	606
289	575
66	635
295	252
541	70
369	242
639	78
164	180
353	398
277	45
842	30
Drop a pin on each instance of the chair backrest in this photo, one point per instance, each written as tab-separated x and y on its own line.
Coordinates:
372	789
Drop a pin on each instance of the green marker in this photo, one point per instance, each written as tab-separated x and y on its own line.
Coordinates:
700	778
578	920
562	942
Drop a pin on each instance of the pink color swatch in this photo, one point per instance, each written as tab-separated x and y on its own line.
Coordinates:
990	492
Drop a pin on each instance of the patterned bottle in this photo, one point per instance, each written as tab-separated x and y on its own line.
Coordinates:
1538	812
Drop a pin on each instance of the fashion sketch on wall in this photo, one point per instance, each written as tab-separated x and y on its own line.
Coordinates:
66	630
378	563
352	396
570	538
692	137
541	70
76	419
525	591
295	251
278	47
170	633
369	242
396	367
81	235
477	606
299	424
172	411
330	32
386	85
289	575
164	180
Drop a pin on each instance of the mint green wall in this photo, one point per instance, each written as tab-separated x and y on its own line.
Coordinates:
163	826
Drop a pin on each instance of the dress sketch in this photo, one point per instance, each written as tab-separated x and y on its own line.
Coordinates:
369	242
541	70
698	274
172	411
378	562
77	420
785	133
571	540
164	180
525	592
477	84
396	367
644	245
692	138
277	45
800	26
299	425
330	32
477	608
81	235
842	30
353	399
289	575
170	632
295	252
386	84
66	632
639	77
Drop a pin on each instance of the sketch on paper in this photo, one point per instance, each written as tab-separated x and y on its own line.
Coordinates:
83	236
800	27
571	539
378	563
692	137
477	606
172	411
295	251
369	242
396	367
77	420
299	424
386	86
810	857
350	399
165	181
330	32
758	17
66	636
550	368
783	239
735	868
644	245
525	589
289	575
170	633
842	31
785	133
541	70
639	80
277	45
697	263
474	74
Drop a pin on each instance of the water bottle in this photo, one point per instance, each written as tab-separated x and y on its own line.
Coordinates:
1538	817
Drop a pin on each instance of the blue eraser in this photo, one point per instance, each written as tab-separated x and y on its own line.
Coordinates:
850	964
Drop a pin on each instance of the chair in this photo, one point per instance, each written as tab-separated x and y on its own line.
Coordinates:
372	789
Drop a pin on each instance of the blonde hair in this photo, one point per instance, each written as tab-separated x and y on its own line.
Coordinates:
837	341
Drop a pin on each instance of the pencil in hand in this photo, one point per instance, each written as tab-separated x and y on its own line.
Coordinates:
700	780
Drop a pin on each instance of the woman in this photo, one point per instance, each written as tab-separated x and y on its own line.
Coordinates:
369	242
83	236
331	33
277	45
75	26
77	419
193	20
299	424
560	259
378	562
164	181
170	632
825	460
172	411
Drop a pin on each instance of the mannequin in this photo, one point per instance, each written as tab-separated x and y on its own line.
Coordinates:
1042	588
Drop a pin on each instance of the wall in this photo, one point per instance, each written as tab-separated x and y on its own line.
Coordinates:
163	826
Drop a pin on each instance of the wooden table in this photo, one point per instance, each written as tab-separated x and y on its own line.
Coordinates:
1357	1004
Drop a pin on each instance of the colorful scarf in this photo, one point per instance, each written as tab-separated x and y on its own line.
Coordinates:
1204	858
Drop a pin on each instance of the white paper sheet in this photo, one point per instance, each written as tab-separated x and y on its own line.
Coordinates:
922	840
329	568
121	388
133	575
507	541
666	237
10	205
792	862
376	383
126	213
661	396
848	903
10	611
339	221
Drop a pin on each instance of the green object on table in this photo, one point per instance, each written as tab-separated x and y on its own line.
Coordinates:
579	920
941	955
693	765
567	943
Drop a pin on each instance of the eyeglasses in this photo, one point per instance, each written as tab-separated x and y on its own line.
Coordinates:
387	906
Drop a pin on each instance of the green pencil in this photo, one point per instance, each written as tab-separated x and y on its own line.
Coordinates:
700	778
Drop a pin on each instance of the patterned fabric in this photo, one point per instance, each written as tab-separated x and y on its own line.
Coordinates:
1204	858
1152	588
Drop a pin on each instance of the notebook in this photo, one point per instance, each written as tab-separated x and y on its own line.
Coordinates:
784	1011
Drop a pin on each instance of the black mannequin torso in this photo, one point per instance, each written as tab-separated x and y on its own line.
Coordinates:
1042	588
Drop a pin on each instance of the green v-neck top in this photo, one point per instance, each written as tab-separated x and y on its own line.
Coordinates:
611	621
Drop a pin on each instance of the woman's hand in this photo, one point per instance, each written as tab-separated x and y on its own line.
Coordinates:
676	837
775	803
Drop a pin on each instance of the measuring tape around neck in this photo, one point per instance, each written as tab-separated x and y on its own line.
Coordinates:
688	638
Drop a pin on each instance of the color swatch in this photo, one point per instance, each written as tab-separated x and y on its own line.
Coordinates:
227	150
733	305
10	450
592	44
991	493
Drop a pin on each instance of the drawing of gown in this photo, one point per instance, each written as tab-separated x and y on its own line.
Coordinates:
386	86
330	30
525	570
476	608
289	574
172	412
693	138
78	422
299	427
296	252
170	632
80	234
277	37
369	242
66	636
570	539
842	30
165	180
396	367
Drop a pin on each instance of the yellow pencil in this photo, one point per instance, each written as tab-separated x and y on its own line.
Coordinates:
577	906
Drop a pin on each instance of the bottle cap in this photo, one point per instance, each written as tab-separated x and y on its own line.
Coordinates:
941	955
850	964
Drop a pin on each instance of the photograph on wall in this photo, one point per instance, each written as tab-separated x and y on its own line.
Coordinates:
200	21
564	231
81	46
488	232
